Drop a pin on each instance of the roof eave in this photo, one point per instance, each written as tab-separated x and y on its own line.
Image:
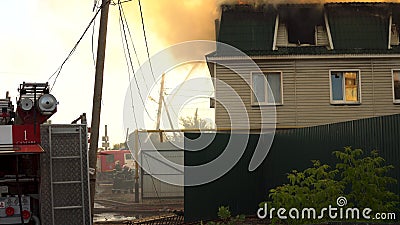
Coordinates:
309	56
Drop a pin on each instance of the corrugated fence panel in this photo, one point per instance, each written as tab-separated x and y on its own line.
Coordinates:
153	181
292	149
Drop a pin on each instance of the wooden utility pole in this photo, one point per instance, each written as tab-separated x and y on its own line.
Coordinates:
169	116
105	139
136	166
196	120
97	95
160	100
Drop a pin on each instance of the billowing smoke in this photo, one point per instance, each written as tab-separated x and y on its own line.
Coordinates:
260	2
178	21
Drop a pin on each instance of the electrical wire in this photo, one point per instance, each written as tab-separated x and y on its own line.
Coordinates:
152	73
139	141
128	59
145	40
180	86
120	2
169	103
133	45
93	57
191	96
96	2
58	71
123	35
124	38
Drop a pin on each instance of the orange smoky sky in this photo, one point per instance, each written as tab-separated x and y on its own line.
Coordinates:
178	21
259	2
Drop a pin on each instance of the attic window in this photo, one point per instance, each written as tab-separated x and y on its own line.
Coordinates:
301	24
300	32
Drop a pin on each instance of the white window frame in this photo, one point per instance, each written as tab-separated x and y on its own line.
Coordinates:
395	101
344	102
253	102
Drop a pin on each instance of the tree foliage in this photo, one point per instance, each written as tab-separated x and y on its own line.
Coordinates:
225	217
119	146
194	123
362	180
310	188
367	180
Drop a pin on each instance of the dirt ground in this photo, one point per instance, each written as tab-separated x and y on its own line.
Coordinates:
116	208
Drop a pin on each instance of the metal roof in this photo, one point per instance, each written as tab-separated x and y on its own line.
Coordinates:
311	50
248	29
356	28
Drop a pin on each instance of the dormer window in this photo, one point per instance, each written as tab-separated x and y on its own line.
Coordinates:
301	26
394	32
320	36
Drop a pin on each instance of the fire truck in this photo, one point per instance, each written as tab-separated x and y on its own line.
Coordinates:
106	160
34	157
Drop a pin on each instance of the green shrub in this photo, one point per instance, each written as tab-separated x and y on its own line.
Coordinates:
366	179
224	214
362	181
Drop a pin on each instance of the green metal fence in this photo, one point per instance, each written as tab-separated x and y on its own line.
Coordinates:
242	190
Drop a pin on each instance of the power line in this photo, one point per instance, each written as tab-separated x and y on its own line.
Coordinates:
145	39
137	126
58	71
123	34
169	103
189	103
128	59
96	2
131	94
134	49
93	57
174	112
194	96
175	92
120	2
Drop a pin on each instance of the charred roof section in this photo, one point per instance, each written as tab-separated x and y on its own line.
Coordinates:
248	28
359	26
300	22
332	28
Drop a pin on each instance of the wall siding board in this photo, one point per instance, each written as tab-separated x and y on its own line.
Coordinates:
306	92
